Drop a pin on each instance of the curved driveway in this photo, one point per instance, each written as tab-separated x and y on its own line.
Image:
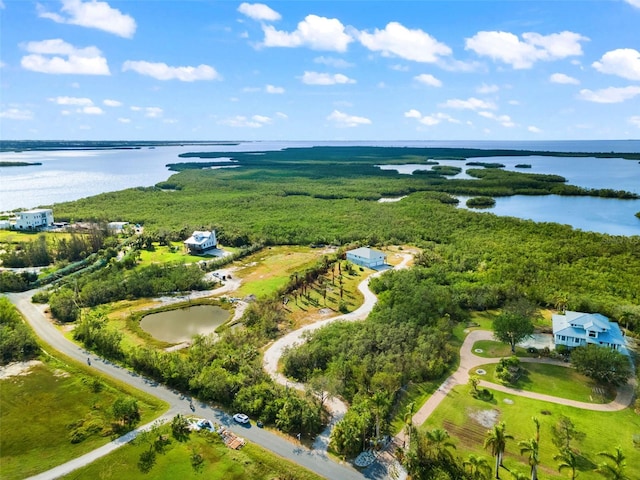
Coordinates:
469	361
313	460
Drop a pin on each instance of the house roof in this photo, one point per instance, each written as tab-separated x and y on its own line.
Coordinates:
575	324
366	252
198	238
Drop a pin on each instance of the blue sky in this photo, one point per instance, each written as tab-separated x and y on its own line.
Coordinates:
332	70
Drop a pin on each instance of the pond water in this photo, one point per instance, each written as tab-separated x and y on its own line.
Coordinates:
180	325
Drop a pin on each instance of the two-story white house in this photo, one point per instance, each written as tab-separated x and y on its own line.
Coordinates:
34	219
201	241
367	257
575	329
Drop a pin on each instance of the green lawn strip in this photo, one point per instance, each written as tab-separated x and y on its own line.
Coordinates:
38	409
220	462
603	431
494	349
165	254
554	380
416	393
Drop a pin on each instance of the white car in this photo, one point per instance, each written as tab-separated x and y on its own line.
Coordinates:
241	418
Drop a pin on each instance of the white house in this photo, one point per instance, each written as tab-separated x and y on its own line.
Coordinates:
34	219
574	329
367	257
200	242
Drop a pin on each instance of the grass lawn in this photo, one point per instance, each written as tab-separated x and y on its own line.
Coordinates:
36	411
460	414
555	380
264	272
165	254
220	463
493	349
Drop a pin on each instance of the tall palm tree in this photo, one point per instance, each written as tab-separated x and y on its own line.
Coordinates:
477	467
614	470
439	442
567	459
496	440
408	422
532	449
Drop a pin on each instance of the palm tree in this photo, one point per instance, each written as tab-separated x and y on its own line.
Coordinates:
408	422
439	443
496	440
613	471
531	448
477	467
567	459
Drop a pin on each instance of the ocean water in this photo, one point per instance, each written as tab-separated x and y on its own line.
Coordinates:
73	174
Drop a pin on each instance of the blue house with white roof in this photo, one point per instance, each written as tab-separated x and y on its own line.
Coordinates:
575	329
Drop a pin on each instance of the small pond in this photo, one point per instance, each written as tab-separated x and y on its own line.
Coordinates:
180	325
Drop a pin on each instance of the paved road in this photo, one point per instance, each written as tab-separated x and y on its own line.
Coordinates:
315	461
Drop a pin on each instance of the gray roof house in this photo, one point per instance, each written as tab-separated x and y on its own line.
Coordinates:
367	257
574	329
201	241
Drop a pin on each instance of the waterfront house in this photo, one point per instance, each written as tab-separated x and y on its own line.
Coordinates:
367	257
36	219
201	241
574	329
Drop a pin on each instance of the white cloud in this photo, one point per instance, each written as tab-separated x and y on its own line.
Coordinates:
471	103
2	64
563	79
91	110
428	79
162	71
153	112
316	78
344	120
259	11
504	120
2	7
413	113
533	129
93	14
256	121
430	120
77	101
16	114
399	68
635	120
284	116
124	120
274	90
610	95
397	40
317	33
633	3
485	89
56	56
112	103
624	62
333	62
520	54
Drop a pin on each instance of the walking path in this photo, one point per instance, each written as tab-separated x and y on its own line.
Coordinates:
469	361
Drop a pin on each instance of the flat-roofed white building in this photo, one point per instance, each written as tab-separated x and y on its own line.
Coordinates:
34	219
367	257
200	241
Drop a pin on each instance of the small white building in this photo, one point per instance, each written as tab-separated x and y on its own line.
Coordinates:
200	242
117	227
367	257
34	219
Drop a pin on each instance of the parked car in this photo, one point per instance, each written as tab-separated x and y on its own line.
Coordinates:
241	418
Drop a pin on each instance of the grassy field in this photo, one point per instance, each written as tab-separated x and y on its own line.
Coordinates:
554	380
220	462
461	415
37	410
165	254
494	349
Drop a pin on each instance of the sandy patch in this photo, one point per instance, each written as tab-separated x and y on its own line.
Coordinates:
486	418
17	368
